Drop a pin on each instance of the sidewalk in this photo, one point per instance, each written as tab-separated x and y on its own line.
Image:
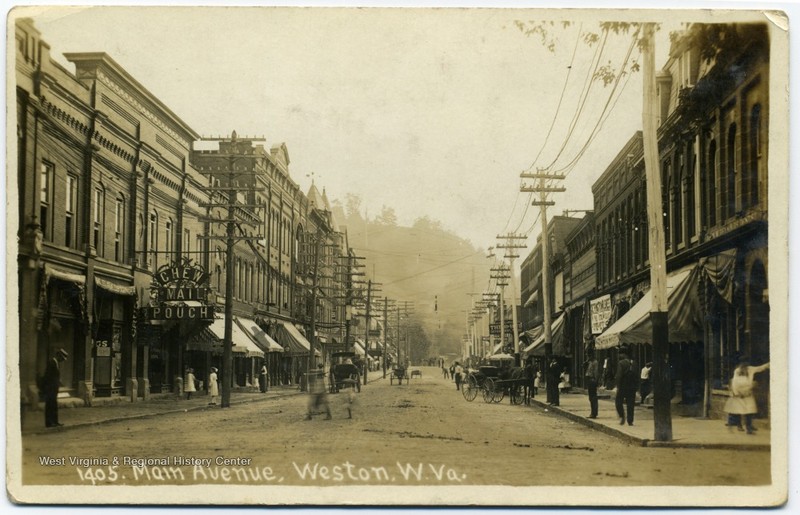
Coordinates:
687	432
72	413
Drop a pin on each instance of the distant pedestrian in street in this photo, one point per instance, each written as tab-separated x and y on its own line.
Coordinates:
50	384
317	394
264	378
213	386
742	401
626	382
453	372
445	373
458	375
592	380
189	383
537	382
553	375
645	385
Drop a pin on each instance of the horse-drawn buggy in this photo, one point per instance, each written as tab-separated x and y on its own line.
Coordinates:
495	380
398	373
344	373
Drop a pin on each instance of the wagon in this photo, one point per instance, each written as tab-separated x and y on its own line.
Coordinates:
344	374
399	374
495	381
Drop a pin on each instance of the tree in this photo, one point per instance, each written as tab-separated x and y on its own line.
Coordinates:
387	216
352	205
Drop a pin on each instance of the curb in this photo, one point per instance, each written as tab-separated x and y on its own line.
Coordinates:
646	442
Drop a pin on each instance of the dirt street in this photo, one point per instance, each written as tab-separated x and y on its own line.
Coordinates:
423	433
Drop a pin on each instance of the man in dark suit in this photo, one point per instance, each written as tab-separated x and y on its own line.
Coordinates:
51	382
592	377
627	382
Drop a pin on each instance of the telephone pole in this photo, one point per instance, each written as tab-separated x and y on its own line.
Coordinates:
511	247
501	276
662	417
385	332
366	331
231	221
543	190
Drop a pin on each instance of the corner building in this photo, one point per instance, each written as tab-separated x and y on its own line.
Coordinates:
713	151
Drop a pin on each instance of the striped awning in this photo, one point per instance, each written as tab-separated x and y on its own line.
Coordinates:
258	335
242	344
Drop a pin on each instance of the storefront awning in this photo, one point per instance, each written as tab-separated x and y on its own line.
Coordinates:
684	316
52	272
242	344
557	332
112	287
293	342
358	347
205	341
531	299
258	335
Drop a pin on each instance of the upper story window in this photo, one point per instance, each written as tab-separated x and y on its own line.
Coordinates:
97	220
187	242
169	238
45	199
70	193
119	227
152	233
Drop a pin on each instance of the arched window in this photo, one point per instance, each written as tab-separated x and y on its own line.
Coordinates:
152	236
98	202
711	183
729	207
754	152
169	239
119	227
666	187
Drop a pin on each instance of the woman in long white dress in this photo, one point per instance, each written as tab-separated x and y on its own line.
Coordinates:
213	386
742	401
188	383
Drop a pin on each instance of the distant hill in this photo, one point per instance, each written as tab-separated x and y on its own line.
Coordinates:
425	264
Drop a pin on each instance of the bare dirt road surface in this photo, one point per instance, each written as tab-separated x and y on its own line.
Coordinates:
422	433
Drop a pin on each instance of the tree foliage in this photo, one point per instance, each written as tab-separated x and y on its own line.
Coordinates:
387	216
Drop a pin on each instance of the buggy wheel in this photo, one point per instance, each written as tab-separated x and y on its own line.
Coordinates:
499	393
517	394
488	390
469	390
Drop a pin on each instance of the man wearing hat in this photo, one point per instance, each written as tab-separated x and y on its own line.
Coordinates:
51	382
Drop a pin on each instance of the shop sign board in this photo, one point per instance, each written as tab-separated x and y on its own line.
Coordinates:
180	273
184	293
178	312
181	280
601	313
494	329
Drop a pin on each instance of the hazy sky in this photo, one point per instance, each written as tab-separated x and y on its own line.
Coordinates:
431	112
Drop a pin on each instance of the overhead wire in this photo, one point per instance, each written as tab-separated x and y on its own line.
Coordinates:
549	132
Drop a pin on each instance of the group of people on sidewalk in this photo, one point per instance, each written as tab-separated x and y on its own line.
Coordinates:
740	405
